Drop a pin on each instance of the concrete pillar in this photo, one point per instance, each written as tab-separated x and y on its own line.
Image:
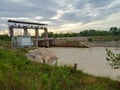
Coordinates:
75	66
36	43
46	37
36	33
11	31
25	30
46	32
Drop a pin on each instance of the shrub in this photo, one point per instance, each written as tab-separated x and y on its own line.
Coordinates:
114	59
90	39
115	39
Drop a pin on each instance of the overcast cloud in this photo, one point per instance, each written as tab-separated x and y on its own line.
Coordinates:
63	15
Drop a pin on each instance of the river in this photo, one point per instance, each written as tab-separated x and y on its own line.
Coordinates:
90	60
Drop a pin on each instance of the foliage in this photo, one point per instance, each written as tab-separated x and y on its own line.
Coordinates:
94	33
5	37
90	39
51	34
114	59
59	79
115	30
116	39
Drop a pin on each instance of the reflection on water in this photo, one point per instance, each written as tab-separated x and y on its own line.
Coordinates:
90	60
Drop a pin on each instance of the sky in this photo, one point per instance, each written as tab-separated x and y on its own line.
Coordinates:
62	15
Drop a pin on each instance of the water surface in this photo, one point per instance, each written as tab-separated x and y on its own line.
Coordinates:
89	60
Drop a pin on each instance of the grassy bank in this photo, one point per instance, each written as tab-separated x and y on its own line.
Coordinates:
18	73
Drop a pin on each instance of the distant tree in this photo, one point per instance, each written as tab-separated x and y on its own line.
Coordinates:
90	39
118	31
114	30
94	33
84	33
51	34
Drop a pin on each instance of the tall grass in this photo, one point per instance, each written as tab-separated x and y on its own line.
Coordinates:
18	73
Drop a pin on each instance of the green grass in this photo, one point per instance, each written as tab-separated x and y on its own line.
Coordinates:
5	44
19	73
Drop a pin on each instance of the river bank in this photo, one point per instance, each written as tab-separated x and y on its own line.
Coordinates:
91	41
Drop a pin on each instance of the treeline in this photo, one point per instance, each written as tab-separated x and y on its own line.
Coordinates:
113	31
95	33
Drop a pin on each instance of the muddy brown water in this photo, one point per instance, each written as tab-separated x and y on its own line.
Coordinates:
89	60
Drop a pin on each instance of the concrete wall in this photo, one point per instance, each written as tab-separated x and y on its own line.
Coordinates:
103	44
68	43
84	42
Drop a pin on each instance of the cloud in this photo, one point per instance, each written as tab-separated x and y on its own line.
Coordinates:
71	25
114	3
58	15
38	17
7	18
62	15
103	24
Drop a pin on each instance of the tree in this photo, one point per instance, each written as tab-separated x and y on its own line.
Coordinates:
114	30
50	34
94	33
118	31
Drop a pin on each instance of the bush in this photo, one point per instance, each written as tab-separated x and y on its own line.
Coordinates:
115	39
90	39
4	37
114	59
